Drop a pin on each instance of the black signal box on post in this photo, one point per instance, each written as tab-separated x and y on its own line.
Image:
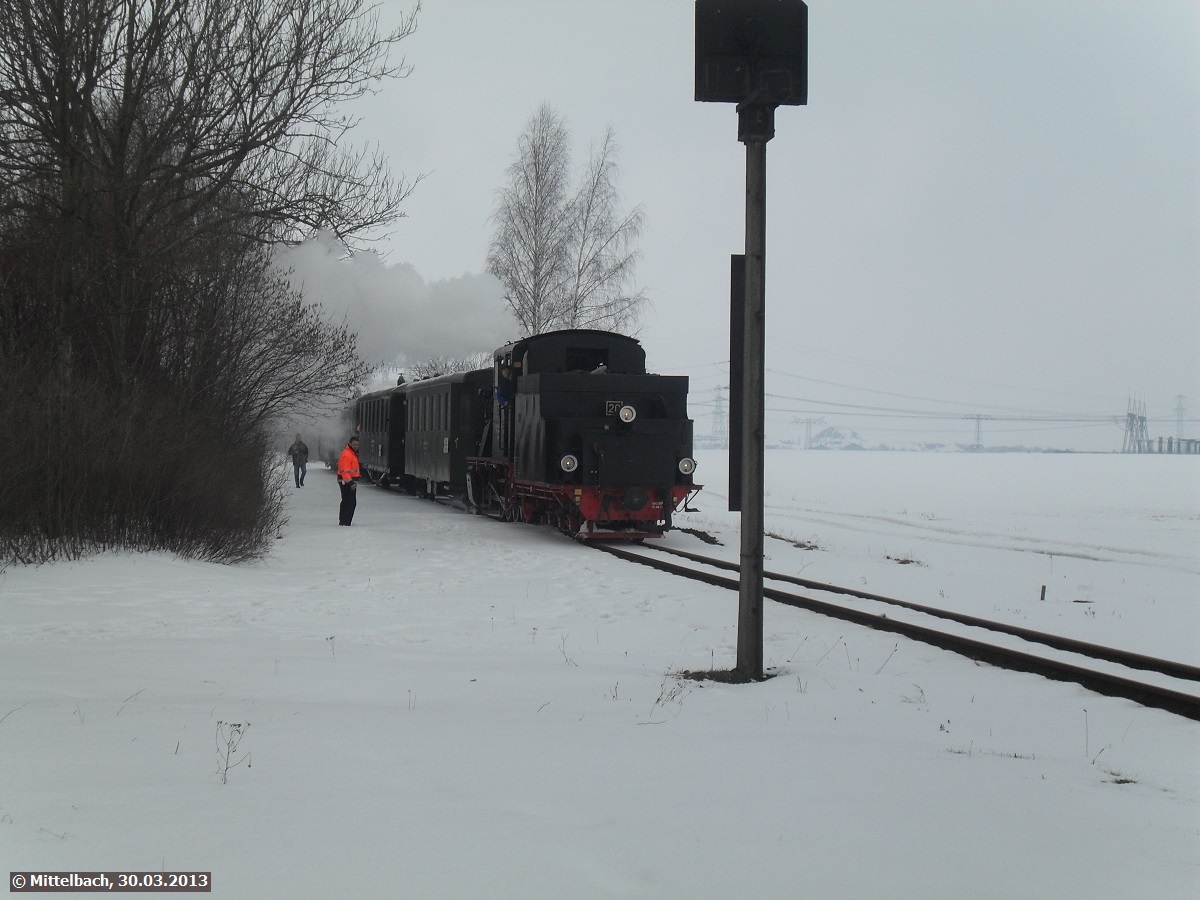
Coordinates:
752	51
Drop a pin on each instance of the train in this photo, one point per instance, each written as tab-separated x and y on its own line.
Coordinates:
565	428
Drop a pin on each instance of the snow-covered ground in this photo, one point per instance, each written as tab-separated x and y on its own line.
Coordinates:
437	705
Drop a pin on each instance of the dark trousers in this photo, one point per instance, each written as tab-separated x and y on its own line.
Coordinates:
301	470
349	501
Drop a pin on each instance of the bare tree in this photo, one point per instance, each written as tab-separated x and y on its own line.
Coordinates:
528	252
130	127
168	107
246	336
566	260
151	151
603	249
446	365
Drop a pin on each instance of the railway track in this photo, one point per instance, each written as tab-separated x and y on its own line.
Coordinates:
1175	686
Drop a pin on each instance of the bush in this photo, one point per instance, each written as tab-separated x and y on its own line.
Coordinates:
99	468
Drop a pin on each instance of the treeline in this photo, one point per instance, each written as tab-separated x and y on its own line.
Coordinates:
152	153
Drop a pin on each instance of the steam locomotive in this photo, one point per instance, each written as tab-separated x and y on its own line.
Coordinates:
565	428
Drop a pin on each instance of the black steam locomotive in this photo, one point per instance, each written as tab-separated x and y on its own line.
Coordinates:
566	428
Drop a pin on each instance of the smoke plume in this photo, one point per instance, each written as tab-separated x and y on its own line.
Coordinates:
400	318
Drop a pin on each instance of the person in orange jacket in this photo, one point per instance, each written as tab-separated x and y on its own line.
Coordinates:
347	478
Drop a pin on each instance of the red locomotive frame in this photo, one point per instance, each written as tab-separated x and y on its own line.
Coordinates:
587	512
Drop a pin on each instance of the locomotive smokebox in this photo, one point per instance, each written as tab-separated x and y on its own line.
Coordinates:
752	51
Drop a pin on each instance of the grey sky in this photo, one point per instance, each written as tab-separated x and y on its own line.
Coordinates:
987	208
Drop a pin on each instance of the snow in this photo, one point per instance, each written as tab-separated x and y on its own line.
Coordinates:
439	705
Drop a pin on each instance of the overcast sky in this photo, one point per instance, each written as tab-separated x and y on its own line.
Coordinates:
986	208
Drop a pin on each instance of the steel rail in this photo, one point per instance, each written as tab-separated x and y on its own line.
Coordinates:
1095	651
1105	683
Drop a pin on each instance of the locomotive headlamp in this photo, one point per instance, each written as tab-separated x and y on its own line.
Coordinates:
569	463
687	466
627	414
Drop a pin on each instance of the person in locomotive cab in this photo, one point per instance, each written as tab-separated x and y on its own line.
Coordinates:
506	386
506	393
347	478
299	454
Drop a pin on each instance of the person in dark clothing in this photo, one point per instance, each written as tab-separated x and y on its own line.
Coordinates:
299	454
347	477
506	386
506	393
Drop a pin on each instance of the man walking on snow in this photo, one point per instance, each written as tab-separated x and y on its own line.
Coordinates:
299	454
347	477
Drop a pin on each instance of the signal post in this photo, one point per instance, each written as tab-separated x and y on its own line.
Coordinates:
753	53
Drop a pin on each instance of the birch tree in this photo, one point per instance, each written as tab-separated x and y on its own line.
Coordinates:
566	258
528	252
603	249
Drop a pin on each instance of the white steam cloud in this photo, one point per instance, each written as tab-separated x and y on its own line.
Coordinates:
400	318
